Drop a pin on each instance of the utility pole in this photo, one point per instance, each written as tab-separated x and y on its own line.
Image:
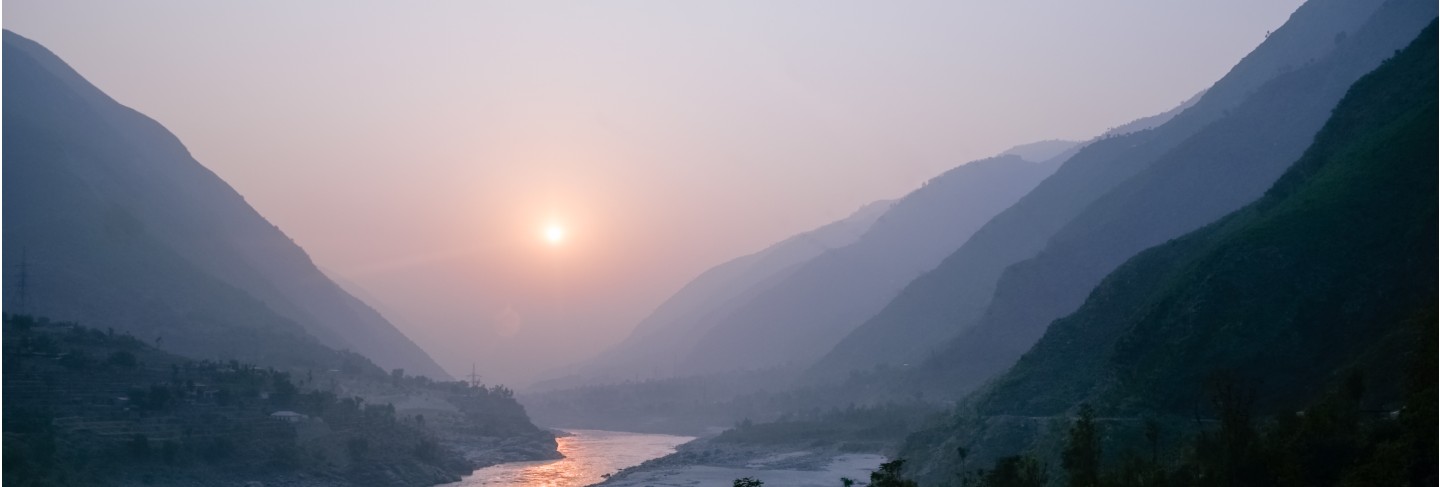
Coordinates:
474	378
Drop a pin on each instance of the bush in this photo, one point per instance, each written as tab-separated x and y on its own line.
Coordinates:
286	457
139	446
217	449
170	452
122	359
427	451
357	447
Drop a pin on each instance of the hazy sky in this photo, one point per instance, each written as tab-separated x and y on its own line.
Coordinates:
418	149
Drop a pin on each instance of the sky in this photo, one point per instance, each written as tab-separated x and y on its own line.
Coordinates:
419	151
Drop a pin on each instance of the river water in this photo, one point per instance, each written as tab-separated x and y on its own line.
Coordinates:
589	454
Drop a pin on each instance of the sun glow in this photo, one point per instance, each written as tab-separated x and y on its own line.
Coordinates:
554	234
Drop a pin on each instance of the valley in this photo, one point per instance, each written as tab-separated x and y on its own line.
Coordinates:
711	245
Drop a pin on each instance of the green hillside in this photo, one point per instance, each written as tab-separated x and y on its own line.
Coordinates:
942	320
1219	170
1332	271
1331	261
118	223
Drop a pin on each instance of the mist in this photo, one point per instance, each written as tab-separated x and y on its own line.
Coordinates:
416	152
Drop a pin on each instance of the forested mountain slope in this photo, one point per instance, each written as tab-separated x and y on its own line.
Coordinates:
1223	167
86	406
117	223
1332	271
954	296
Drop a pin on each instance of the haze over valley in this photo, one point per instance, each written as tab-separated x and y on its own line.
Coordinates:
736	244
417	151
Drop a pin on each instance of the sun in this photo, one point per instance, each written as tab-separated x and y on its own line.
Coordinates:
554	234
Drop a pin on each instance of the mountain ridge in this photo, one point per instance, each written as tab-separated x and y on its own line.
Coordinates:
798	319
1330	273
953	297
1218	170
145	186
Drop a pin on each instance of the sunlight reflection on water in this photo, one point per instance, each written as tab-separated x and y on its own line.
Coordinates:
589	454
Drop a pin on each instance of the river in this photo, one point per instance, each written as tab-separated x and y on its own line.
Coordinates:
589	454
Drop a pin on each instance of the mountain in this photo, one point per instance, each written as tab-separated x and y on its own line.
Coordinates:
1338	254
116	223
1150	122
875	341
1218	170
1331	272
951	299
658	342
1042	151
803	315
87	407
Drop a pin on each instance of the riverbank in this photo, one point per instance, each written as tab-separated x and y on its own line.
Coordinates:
707	462
488	451
588	456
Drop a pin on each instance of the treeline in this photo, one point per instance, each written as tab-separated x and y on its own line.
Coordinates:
1336	441
1339	440
91	407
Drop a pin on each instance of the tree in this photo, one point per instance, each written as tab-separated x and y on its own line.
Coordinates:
889	476
1152	436
748	482
358	448
1081	458
1016	471
139	446
1231	454
169	451
285	391
123	359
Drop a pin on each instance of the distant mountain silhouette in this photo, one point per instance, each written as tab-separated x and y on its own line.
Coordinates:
1150	122
1218	170
955	296
1332	271
800	317
658	343
1043	151
118	224
877	342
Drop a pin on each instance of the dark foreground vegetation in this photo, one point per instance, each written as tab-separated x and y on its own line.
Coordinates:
1337	441
85	406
